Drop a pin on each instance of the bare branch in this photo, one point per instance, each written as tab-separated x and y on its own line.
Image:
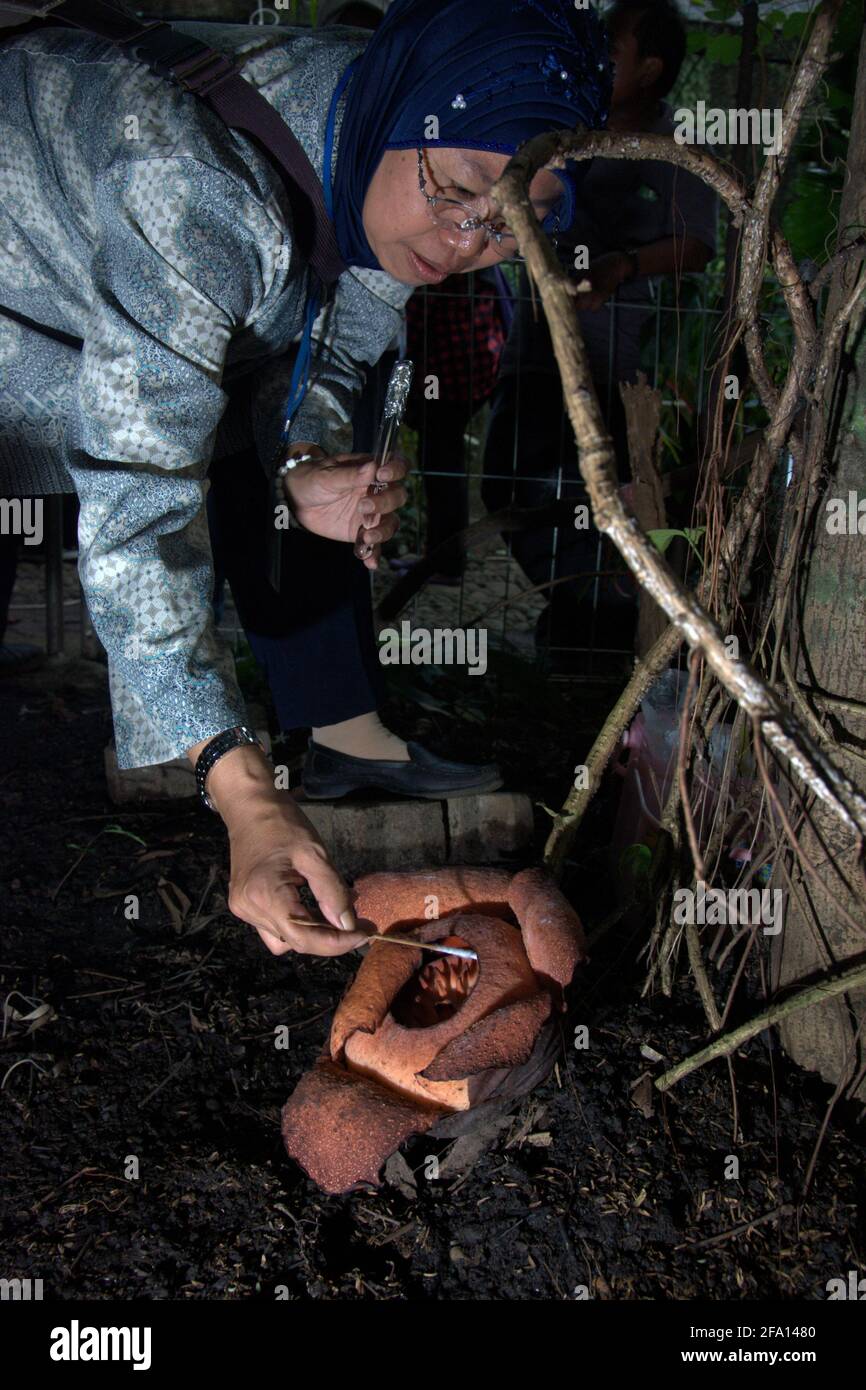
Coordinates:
778	725
854	251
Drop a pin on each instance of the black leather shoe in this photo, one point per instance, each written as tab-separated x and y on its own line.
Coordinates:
328	775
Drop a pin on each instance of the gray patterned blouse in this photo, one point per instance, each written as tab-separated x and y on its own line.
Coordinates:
133	219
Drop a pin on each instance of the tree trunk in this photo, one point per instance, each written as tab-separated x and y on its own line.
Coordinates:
831	610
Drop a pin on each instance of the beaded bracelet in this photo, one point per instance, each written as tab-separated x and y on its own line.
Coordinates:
292	462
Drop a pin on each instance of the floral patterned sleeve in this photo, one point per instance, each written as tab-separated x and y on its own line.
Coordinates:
365	317
178	267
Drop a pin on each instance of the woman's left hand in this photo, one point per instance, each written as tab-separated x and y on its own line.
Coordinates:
330	497
604	276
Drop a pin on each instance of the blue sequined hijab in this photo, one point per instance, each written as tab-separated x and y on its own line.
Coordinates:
494	73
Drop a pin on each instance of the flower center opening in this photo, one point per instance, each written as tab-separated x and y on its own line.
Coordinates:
437	990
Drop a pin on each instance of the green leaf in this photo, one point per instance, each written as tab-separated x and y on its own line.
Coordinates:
662	539
696	42
795	26
838	99
119	830
635	862
768	33
725	49
808	215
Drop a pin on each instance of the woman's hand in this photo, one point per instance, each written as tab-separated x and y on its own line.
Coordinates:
604	276
330	497
274	849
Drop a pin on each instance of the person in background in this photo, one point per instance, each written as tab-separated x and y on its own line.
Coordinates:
637	219
456	334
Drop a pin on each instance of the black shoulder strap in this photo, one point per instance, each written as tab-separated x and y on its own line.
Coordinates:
217	80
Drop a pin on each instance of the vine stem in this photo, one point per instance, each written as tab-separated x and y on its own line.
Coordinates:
727	1043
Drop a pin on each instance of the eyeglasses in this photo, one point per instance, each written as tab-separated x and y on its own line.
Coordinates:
463	217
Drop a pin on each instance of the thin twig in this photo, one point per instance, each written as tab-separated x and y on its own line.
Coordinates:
786	1209
566	823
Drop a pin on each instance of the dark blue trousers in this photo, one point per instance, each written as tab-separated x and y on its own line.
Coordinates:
315	639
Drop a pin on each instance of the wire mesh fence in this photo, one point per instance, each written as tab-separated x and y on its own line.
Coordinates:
551	593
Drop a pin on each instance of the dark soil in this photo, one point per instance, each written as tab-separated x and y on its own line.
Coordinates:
140	1114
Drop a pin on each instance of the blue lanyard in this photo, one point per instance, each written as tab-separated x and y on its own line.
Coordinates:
300	383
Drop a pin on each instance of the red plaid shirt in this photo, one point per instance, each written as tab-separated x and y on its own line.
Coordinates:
457	337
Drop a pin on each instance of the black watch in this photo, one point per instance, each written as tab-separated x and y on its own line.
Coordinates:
213	751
